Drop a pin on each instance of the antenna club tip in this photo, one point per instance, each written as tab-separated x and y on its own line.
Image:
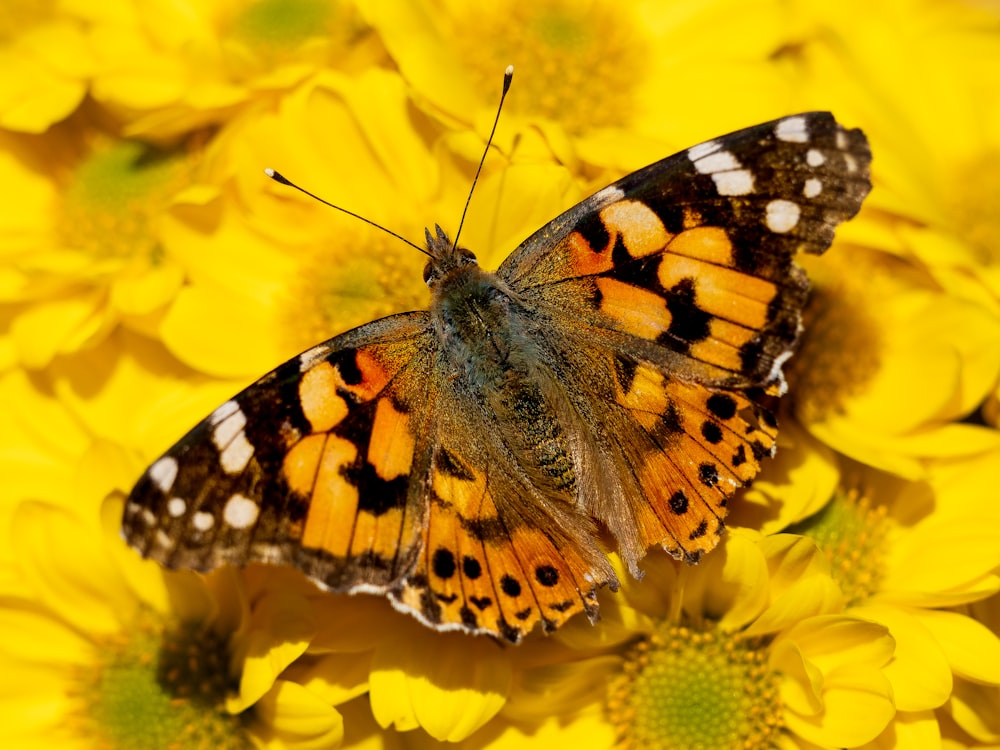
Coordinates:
508	74
277	176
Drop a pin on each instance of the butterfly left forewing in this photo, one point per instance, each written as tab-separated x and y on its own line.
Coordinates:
310	466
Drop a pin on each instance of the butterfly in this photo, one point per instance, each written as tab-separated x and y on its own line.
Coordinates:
612	380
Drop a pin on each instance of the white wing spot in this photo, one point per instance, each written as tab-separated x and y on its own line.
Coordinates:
235	456
792	130
703	149
148	517
176	507
782	216
163	539
240	512
228	436
851	163
841	140
202	521
223	412
720	161
815	158
610	194
228	427
812	188
738	182
163	473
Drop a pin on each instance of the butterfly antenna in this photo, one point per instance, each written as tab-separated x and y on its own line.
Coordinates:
278	177
508	74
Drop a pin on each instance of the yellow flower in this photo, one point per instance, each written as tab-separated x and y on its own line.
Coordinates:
743	650
47	59
890	363
169	69
83	238
102	649
877	540
609	83
972	708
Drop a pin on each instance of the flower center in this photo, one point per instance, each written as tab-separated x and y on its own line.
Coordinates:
974	207
382	280
156	688
840	351
281	23
852	535
686	690
115	198
267	33
583	58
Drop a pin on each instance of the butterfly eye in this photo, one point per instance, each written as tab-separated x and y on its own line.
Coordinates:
428	270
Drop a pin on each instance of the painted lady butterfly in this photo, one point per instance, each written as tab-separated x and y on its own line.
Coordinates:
612	374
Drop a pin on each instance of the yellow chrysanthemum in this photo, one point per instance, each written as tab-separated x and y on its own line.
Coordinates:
741	651
607	82
890	363
47	59
971	716
100	649
83	246
877	537
169	69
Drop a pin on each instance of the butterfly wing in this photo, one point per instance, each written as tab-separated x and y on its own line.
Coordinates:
309	466
679	286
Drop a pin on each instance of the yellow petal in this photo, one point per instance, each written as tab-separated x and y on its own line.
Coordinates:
280	628
972	649
65	560
296	719
919	672
449	684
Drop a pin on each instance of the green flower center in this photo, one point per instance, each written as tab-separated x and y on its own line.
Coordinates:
581	63
974	207
282	23
383	279
157	688
852	534
115	198
840	351
687	690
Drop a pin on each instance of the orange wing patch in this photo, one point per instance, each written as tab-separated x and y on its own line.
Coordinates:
353	471
707	443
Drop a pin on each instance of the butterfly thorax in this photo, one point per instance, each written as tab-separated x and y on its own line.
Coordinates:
489	344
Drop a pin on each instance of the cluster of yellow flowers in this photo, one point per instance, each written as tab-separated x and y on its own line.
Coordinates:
148	270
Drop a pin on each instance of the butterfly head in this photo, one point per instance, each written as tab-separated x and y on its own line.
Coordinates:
445	257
